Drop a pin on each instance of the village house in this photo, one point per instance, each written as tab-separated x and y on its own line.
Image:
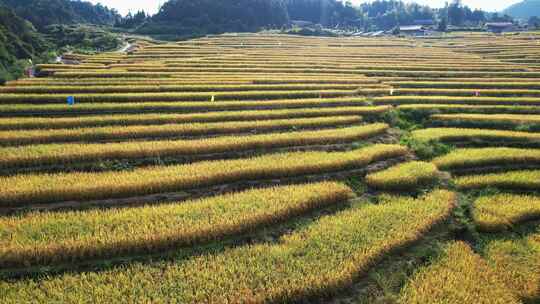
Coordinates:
499	27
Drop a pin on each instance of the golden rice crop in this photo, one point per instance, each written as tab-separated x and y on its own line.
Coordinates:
513	180
306	64
466	85
269	70
50	154
133	97
395	81
517	261
498	212
406	176
510	101
44	188
318	259
457	108
220	80
182	72
26	123
137	107
483	120
47	238
480	157
44	89
458	134
458	74
457	276
463	92
172	75
70	66
33	137
333	80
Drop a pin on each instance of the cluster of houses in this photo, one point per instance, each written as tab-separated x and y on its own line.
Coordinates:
419	28
428	27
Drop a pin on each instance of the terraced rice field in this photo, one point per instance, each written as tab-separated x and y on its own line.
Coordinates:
265	168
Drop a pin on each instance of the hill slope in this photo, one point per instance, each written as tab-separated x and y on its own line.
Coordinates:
46	12
18	40
524	9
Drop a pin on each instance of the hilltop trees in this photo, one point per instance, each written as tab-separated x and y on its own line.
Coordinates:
19	41
329	13
34	29
186	18
235	15
42	13
534	22
387	14
133	21
458	14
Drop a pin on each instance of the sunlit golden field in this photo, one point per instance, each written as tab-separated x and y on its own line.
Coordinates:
269	168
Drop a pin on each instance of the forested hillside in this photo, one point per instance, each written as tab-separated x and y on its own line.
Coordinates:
326	13
35	29
193	18
46	12
524	9
184	18
19	41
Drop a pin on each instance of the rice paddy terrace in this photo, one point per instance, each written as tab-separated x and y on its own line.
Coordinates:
268	168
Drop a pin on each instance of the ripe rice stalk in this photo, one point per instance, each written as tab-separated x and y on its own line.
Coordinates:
146	97
34	137
27	189
495	121
472	100
65	154
517	262
457	275
319	259
473	109
513	180
458	134
497	213
404	177
484	157
112	232
177	107
27	123
108	89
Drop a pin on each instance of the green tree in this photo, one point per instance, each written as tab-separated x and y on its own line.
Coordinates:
456	13
443	25
534	22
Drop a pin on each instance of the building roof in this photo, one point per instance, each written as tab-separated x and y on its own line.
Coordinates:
410	28
499	24
376	34
301	22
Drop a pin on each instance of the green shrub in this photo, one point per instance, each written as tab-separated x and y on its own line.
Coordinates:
426	150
